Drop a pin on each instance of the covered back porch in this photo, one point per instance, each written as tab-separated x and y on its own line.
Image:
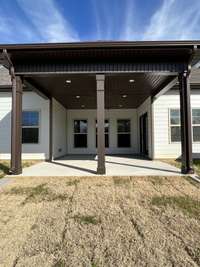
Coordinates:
101	78
116	165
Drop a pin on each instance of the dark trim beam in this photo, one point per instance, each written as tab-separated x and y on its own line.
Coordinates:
186	124
16	124
100	79
165	88
36	88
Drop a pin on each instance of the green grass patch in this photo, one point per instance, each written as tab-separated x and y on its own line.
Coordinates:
5	166
196	163
177	163
37	194
60	263
120	181
186	204
86	219
73	183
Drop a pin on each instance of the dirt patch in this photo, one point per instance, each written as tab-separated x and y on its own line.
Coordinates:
100	221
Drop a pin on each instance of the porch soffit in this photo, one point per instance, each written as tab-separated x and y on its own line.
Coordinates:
119	91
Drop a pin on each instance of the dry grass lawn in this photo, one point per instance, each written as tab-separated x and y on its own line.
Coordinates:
100	221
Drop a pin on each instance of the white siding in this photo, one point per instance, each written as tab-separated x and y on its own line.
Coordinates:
163	148
59	130
112	115
146	107
31	101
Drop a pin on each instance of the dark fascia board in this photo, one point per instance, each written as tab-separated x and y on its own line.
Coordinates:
102	44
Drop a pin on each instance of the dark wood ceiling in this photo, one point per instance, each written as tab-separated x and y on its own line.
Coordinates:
116	86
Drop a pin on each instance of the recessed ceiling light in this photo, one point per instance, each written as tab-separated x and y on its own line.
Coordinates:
82	106
131	80
124	96
77	96
68	81
120	106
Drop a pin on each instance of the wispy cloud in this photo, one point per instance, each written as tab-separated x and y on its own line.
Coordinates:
175	20
13	30
104	19
48	20
129	30
44	21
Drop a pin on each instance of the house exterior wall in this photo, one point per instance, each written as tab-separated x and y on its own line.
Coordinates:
63	143
59	129
112	115
163	147
31	102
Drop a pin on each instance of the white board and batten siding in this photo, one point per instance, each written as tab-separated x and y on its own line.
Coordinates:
30	102
163	147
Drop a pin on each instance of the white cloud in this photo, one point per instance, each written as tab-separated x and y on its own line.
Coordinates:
128	25
48	21
104	19
174	20
13	30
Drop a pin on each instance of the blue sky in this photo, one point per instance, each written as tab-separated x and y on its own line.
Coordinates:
30	21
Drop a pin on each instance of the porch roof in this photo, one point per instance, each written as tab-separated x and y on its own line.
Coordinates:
151	64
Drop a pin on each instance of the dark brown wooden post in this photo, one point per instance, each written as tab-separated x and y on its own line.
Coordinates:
16	124
100	124
50	129
186	124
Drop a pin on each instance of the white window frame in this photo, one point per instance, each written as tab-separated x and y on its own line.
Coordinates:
128	119
194	125
39	125
173	125
80	133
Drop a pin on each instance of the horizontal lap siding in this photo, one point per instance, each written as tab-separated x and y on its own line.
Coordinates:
31	101
162	146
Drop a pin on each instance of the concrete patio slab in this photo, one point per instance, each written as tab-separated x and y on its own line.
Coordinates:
75	165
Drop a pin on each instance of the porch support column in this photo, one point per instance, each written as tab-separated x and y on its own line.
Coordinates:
100	124
50	129
16	124
186	124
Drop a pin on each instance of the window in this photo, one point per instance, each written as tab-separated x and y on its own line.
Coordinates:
106	131
30	127
123	133
80	133
175	125
196	124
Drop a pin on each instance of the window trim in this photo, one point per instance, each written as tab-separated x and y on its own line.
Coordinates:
130	133
193	125
39	125
170	125
108	133
77	119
